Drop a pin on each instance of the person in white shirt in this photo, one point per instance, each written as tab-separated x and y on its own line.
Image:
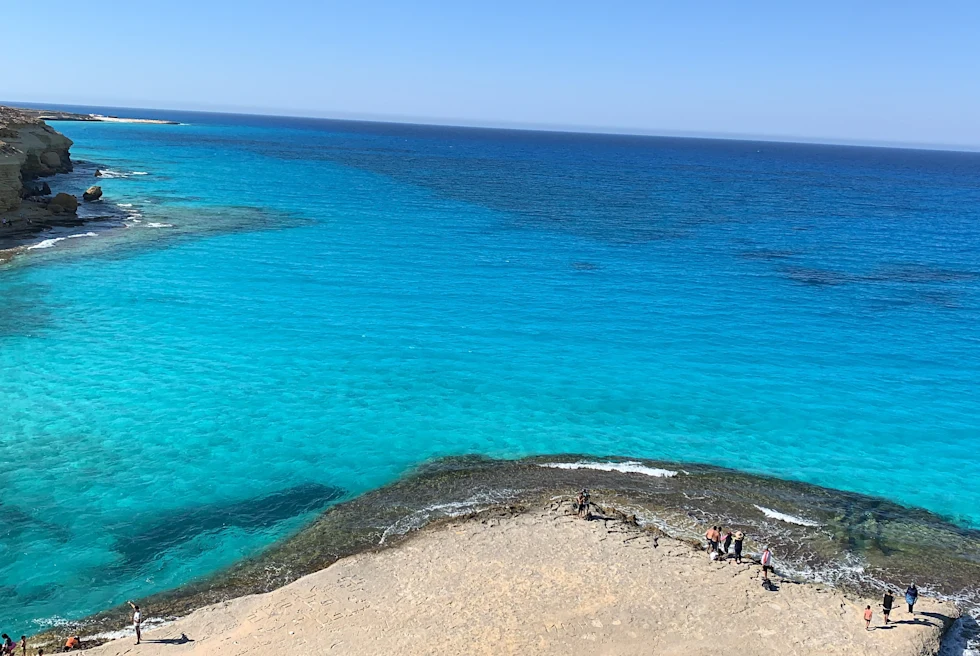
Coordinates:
137	620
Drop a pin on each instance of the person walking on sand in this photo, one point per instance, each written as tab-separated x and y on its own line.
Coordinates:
739	539
137	620
886	604
867	618
728	541
911	596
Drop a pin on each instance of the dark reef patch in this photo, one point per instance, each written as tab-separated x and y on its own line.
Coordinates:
143	542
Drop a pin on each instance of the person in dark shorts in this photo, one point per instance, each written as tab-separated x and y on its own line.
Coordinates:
584	502
711	536
886	604
766	561
728	541
867	618
737	544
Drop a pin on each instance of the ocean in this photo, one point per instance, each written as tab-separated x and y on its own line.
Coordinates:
284	313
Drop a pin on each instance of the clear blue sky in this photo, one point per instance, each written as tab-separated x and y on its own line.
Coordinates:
842	71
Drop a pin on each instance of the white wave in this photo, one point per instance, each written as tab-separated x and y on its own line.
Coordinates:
50	243
47	243
140	173
124	204
109	173
154	224
630	467
783	517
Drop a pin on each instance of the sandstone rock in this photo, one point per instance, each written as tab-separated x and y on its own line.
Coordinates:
92	193
28	148
51	159
63	203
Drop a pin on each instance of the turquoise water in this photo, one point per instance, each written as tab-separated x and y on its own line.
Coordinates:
385	294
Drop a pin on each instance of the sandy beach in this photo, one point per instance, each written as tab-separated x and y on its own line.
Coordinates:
542	581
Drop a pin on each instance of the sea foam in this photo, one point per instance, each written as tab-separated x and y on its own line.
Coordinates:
47	243
629	467
783	517
50	243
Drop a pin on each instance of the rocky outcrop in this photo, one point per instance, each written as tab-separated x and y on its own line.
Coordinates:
29	148
35	188
92	193
63	203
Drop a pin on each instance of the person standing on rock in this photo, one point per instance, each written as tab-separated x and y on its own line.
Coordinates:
739	539
712	535
584	500
766	561
728	541
137	620
911	596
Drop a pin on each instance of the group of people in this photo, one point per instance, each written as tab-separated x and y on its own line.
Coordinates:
720	546
10	648
730	545
888	602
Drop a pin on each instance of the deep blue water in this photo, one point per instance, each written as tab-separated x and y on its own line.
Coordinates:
337	302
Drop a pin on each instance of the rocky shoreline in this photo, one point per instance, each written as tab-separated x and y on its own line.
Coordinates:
30	151
661	499
536	578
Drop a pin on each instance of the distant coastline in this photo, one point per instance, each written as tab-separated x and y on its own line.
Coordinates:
58	115
46	197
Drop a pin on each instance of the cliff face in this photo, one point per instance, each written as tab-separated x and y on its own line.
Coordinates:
29	148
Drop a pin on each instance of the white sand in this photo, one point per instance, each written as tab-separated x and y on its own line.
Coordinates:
542	582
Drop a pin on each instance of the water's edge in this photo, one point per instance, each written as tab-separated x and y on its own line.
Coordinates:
820	535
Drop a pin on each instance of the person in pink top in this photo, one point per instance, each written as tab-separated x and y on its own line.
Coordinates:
766	561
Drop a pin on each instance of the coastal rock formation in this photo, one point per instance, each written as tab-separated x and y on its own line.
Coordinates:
544	582
63	203
29	148
36	188
92	193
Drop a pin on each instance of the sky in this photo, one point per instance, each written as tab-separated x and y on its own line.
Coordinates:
853	72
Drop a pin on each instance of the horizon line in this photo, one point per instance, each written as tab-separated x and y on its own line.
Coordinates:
532	127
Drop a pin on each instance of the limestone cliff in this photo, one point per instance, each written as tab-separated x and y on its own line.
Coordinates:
29	148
